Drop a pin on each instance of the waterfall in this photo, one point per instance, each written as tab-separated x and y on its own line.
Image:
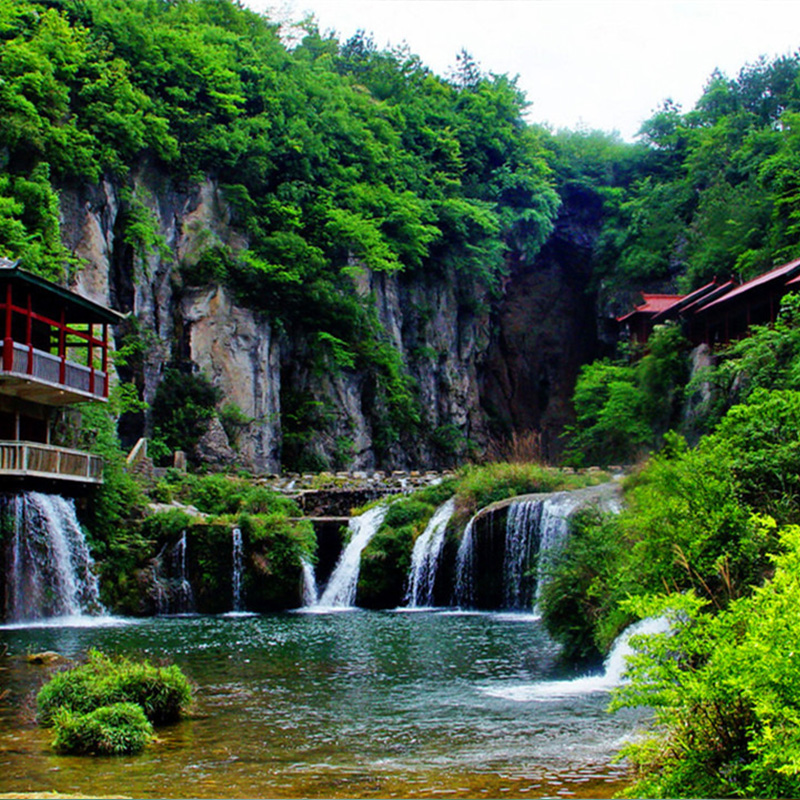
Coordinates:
50	569
425	557
236	573
536	531
184	596
613	670
553	535
310	593
465	559
522	524
341	589
617	660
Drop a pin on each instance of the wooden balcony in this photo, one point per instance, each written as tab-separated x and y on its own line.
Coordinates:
43	461
34	375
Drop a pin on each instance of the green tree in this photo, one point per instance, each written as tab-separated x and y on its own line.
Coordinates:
724	688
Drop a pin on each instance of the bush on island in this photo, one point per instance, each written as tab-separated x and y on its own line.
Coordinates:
118	729
90	705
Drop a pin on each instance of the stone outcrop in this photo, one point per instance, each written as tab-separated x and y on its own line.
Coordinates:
235	349
545	328
481	366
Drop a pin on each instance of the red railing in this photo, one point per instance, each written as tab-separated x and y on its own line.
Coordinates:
48	368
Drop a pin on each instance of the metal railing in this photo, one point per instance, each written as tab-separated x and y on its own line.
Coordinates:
46	461
46	367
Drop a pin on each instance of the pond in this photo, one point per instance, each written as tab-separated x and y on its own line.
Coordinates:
349	704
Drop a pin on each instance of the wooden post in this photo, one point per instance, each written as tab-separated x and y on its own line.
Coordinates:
62	348
8	342
90	358
29	334
105	359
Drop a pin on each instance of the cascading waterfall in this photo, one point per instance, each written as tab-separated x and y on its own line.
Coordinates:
184	596
310	592
465	566
553	533
522	523
614	668
536	531
236	573
425	557
341	589
50	569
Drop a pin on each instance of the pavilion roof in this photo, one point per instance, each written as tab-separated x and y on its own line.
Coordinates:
688	300
780	274
78	309
653	304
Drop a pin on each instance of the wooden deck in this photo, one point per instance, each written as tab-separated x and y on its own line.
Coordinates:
34	460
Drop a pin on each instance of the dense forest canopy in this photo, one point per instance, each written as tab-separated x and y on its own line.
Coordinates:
334	153
331	153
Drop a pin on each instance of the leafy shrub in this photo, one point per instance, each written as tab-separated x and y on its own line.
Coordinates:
760	440
165	525
118	729
224	494
385	563
407	511
278	544
580	600
162	692
685	527
480	486
182	407
622	409
725	690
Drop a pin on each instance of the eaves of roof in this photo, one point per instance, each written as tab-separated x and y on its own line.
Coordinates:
93	312
779	274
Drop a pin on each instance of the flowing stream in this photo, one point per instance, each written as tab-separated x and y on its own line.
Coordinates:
364	704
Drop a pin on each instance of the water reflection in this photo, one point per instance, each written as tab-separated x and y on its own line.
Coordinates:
332	705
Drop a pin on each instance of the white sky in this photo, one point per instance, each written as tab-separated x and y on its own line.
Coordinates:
606	64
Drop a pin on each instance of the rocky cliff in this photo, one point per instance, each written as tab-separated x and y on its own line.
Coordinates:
481	366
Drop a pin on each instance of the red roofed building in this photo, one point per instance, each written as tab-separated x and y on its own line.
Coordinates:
639	322
717	312
755	302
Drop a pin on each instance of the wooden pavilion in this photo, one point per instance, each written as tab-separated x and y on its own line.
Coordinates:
54	352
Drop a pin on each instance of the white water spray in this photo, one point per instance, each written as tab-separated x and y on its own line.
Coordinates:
522	525
613	670
465	566
310	591
51	570
425	557
184	596
341	589
236	570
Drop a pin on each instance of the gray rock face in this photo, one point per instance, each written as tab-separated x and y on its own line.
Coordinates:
235	350
512	361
